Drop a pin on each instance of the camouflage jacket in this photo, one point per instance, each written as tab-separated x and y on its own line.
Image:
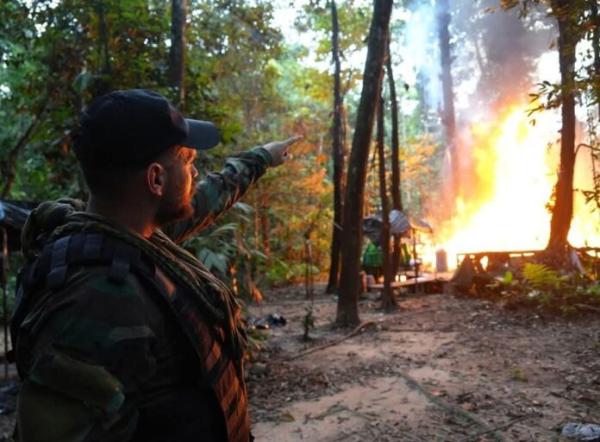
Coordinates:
102	355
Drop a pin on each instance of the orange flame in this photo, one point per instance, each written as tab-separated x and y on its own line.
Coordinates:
507	186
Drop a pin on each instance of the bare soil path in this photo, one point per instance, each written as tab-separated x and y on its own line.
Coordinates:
440	369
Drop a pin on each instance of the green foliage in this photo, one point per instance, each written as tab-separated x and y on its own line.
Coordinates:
508	278
55	57
278	272
540	277
354	18
216	248
225	251
257	342
593	291
537	286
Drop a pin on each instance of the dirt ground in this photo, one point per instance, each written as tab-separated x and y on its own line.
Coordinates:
440	369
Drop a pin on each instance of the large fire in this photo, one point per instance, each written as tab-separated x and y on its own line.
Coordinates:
507	178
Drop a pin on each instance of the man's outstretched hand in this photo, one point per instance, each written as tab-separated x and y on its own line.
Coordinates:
279	150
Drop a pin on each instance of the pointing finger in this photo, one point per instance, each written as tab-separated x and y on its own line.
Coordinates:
292	140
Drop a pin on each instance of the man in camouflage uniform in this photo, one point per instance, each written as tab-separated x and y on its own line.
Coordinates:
120	334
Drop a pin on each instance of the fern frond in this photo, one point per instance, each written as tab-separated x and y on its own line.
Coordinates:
541	277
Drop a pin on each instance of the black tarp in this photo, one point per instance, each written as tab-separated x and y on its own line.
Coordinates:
399	224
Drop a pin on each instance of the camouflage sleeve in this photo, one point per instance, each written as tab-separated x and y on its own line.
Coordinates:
92	350
219	191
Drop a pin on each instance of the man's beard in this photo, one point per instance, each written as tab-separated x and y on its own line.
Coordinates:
172	212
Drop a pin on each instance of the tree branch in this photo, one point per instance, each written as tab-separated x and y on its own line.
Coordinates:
10	164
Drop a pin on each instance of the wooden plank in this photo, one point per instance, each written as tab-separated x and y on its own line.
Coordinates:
408	283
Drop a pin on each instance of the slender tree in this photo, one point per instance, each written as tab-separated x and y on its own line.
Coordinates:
448	116
103	84
595	18
594	194
177	51
387	298
338	149
569	14
568	36
347	308
396	194
265	225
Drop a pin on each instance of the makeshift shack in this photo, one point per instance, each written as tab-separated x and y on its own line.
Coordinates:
408	229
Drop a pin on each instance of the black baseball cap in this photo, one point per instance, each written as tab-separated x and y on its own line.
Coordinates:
133	127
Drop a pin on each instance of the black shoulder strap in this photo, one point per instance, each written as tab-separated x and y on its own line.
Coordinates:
124	258
51	268
58	262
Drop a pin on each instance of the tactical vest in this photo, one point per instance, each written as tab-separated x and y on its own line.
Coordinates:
50	272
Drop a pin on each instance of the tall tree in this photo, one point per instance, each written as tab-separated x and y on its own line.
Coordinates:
448	116
347	307
568	36
388	300
103	77
595	18
338	148
570	16
177	50
396	193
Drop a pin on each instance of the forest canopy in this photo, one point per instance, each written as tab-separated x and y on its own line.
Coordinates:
264	70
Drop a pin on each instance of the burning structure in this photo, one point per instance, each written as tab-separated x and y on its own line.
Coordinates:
502	160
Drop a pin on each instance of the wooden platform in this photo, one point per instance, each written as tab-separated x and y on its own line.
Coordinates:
422	283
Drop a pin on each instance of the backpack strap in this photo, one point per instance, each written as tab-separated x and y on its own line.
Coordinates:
58	262
52	267
124	258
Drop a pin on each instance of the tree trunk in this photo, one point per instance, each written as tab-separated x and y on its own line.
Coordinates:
103	84
596	40
338	150
448	117
347	308
308	262
562	212
388	302
265	225
177	51
396	194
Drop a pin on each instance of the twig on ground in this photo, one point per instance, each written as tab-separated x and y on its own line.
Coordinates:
412	383
419	330
498	428
353	333
588	307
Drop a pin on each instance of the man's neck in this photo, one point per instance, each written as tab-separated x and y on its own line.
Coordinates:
133	216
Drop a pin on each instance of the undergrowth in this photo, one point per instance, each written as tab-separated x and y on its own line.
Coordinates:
537	286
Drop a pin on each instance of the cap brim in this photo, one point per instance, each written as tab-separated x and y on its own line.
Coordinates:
201	134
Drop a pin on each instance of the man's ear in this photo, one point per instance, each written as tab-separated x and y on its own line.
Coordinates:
156	179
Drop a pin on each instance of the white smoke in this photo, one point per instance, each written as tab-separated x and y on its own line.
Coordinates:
420	51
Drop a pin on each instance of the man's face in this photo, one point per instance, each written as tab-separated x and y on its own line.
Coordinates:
180	186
